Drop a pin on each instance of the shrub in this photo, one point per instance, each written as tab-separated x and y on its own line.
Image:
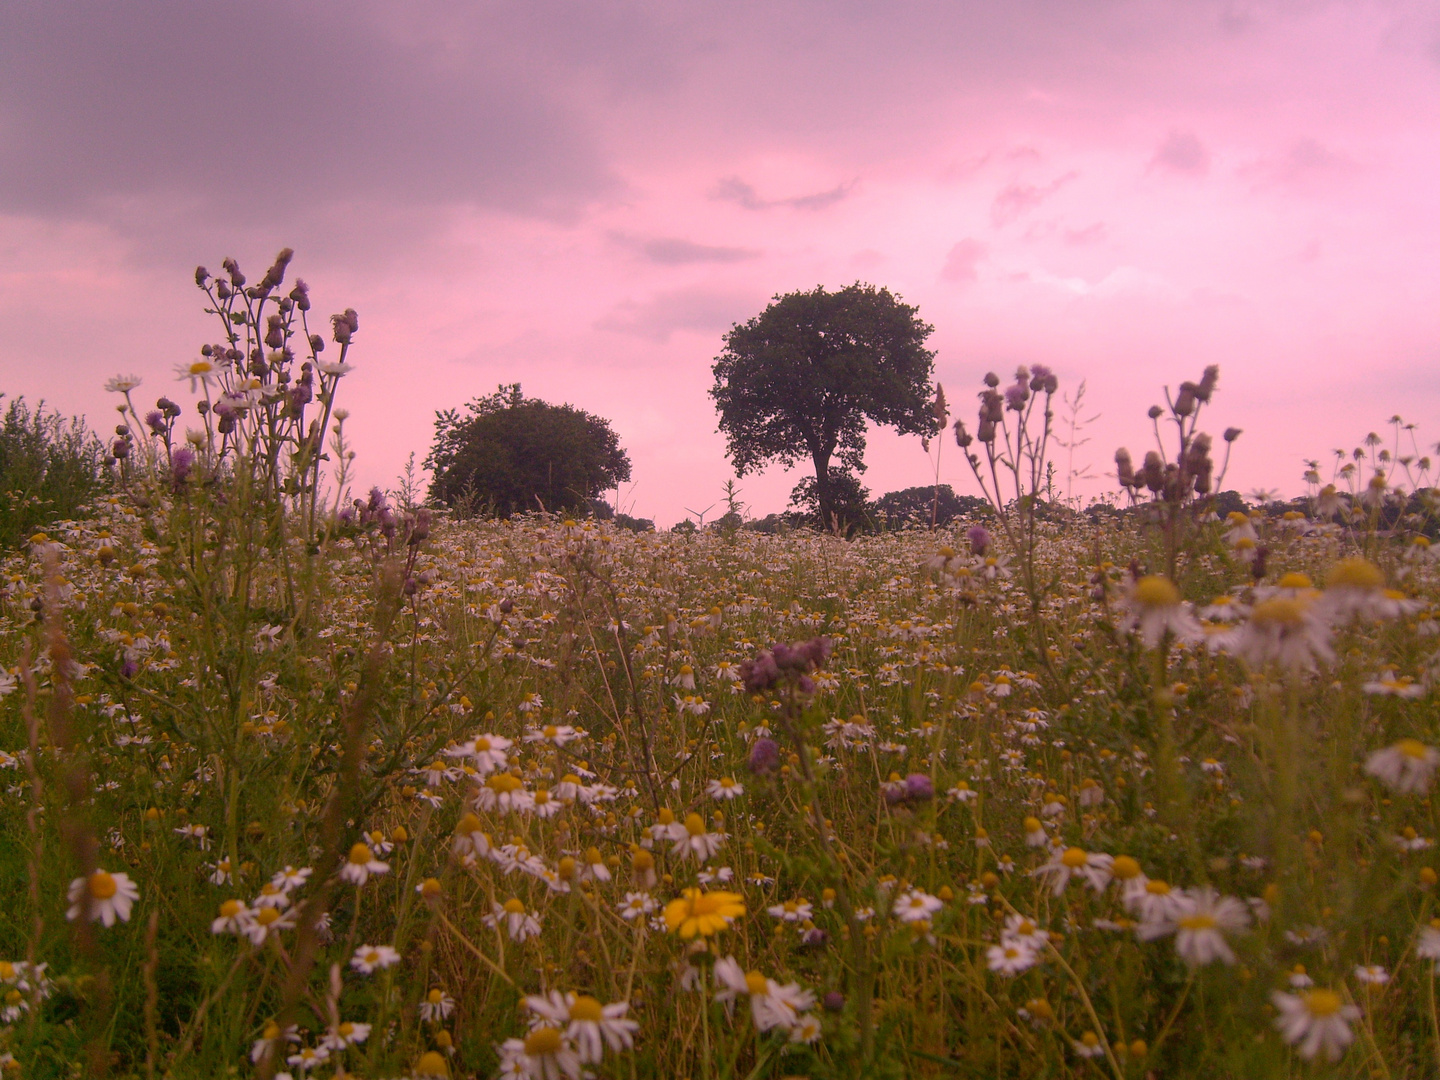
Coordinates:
50	467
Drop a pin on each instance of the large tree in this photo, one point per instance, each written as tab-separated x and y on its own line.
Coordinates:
513	453
798	381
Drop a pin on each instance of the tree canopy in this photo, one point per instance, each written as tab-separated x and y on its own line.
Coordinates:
799	381
512	453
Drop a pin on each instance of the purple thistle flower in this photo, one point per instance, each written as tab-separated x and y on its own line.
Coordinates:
764	756
979	538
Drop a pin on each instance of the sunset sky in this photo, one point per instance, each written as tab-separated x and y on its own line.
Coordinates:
583	197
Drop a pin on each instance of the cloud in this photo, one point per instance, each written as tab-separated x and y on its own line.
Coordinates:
255	110
733	189
1091	234
963	261
1017	199
697	310
675	251
1306	163
1182	152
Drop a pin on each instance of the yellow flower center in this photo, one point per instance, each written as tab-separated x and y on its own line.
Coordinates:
570	778
345	1030
586	1008
482	746
102	885
266	916
1074	858
1032	824
541	1041
1412	748
435	996
1026	928
514	907
361	855
1197	922
1279	611
550	731
1156	887
432	1063
7	971
756	983
230	908
694	825
468	824
1354	573
666	817
201	367
1125	868
1322	1002
1294	580
1156	591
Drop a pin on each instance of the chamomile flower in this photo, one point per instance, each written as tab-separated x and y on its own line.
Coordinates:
361	865
791	911
771	1004
520	924
233	918
1092	867
916	905
102	897
1407	767
1156	609
691	838
436	1006
1010	957
371	958
590	1025
1204	918
725	788
1315	1022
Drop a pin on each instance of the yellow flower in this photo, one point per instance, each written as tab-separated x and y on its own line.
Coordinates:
703	913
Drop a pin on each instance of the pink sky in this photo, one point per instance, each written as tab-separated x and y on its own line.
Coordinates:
584	197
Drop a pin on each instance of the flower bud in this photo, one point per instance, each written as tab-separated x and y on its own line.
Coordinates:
201	276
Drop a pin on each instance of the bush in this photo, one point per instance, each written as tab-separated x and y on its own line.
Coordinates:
49	468
913	506
513	454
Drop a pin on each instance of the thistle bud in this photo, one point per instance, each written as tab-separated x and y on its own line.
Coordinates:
201	276
1185	400
1231	434
317	343
962	437
992	380
1124	468
1207	383
237	279
275	332
1155	412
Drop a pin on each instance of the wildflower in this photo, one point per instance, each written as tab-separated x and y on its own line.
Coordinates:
346	1034
1317	1021
360	864
272	895
1356	587
962	792
290	878
555	734
1291	631
1025	931
806	1030
371	958
1156	609
432	1065
201	372
486	751
915	905
1372	974
1094	867
544	1055
272	1037
1088	1045
1202	917
636	905
1299	979
233	918
1010	957
590	1025
1408	767
771	1004
593	868
504	792
1035	835
694	840
704	913
122	384
725	788
792	911
102	897
436	1006
1428	947
1388	683
267	921
470	838
519	923
308	1058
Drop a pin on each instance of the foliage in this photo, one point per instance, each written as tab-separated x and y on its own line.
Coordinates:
516	454
50	467
914	506
800	380
849	508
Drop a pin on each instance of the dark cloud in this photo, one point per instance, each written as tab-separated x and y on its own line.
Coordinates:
675	251
733	189
1182	152
699	310
1017	199
962	264
247	110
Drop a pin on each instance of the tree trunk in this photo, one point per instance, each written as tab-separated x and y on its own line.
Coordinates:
822	492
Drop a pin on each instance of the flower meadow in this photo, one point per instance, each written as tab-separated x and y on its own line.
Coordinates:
301	785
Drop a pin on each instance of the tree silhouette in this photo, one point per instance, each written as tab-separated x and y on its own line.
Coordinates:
800	379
